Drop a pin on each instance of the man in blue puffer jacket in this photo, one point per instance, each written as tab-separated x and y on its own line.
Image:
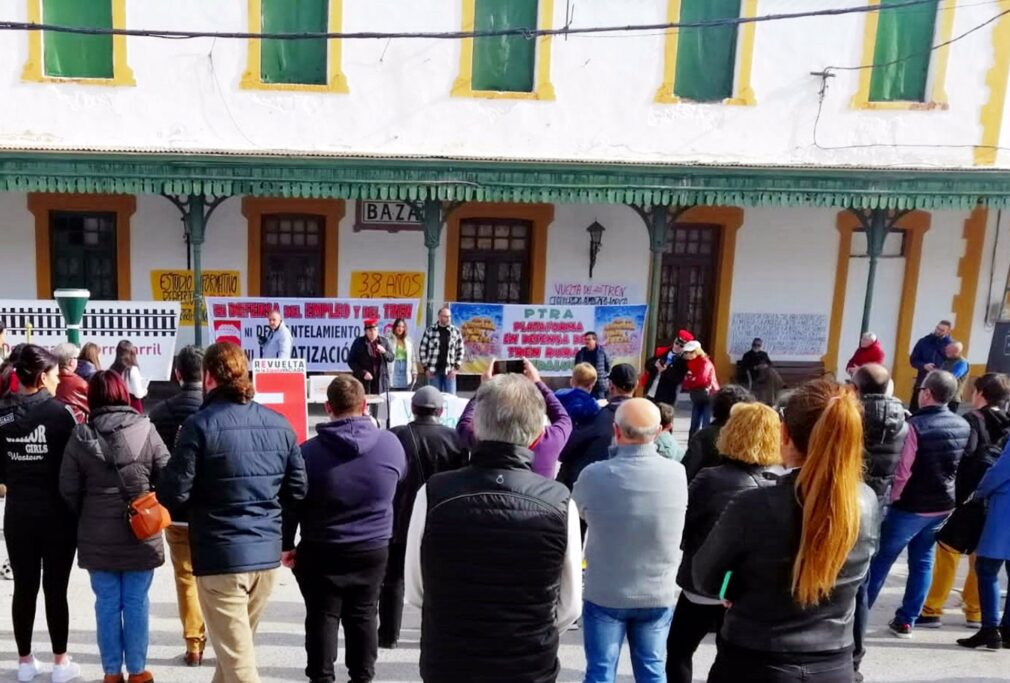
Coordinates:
234	465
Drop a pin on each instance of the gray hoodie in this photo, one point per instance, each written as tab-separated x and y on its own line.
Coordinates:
91	488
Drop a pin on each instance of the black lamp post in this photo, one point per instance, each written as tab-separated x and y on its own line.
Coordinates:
595	240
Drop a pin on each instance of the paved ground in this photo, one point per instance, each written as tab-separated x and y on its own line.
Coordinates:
930	656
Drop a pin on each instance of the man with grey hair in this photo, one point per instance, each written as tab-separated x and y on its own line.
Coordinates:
634	505
922	496
869	351
72	390
493	553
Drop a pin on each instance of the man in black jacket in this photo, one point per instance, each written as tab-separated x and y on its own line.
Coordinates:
234	465
921	497
493	553
167	418
884	433
431	448
367	359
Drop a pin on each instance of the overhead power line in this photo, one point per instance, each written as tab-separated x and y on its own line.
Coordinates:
454	35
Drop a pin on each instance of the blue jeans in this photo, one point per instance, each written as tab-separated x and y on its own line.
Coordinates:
444	383
701	416
918	533
988	591
604	630
121	610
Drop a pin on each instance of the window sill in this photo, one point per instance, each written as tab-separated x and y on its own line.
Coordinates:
900	105
33	74
463	88
337	84
743	99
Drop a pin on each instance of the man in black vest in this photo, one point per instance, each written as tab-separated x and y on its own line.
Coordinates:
884	432
431	447
493	553
922	496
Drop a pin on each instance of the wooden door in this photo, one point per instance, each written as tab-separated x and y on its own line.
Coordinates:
688	280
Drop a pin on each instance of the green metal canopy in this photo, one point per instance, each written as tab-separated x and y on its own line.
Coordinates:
341	177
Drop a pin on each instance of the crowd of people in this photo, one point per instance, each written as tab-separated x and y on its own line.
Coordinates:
776	527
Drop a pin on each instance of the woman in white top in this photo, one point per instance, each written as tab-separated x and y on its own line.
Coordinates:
401	369
126	365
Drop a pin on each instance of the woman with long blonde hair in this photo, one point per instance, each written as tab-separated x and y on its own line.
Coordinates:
790	558
749	444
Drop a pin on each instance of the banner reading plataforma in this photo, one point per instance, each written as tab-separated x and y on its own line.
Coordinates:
150	325
322	330
549	336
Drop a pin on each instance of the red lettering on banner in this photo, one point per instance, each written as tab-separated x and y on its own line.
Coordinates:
292	311
394	311
357	311
509	338
524	351
220	311
369	311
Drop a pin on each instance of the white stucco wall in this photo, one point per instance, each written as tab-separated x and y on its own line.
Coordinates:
785	263
17	247
884	313
624	248
942	248
187	95
991	283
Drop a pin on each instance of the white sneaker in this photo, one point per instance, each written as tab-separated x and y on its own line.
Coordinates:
28	670
67	671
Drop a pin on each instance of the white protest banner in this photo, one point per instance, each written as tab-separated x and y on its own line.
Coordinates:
322	330
400	411
592	293
151	326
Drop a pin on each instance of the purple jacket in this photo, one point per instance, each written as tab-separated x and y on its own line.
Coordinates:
545	454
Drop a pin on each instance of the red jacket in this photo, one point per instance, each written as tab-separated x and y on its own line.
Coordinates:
700	375
73	391
873	353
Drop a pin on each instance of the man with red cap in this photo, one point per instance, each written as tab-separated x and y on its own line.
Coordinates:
368	357
665	371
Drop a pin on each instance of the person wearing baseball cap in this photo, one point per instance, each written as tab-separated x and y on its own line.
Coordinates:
368	358
431	447
593	444
701	383
665	371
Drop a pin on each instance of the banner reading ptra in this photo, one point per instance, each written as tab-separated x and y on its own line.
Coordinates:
549	336
150	325
322	330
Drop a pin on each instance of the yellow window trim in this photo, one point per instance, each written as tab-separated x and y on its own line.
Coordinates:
336	81
937	68
743	93
543	89
991	116
34	70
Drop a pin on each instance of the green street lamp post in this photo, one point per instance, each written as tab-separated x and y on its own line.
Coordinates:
72	303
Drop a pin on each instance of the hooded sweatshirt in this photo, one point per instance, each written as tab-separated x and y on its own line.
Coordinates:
353	469
989	426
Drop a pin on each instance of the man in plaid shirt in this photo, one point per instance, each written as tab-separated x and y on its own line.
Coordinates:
441	352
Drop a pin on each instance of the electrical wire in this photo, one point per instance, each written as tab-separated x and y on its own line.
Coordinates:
828	72
528	33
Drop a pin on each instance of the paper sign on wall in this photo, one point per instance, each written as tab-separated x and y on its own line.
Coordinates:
177	285
386	284
592	293
783	334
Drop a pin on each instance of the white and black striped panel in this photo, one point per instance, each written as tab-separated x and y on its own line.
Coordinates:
99	321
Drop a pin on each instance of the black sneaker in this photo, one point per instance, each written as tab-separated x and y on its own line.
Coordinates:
988	636
928	622
899	629
387	644
1004	632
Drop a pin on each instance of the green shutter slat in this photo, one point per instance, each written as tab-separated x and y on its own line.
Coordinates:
504	63
294	61
706	56
903	49
70	55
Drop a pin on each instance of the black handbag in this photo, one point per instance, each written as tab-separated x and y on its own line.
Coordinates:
962	529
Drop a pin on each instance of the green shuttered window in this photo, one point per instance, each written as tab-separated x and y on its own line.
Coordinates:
504	63
904	36
294	61
69	55
706	57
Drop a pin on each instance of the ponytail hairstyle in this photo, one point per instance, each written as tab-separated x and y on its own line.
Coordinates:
8	378
824	422
227	364
33	362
